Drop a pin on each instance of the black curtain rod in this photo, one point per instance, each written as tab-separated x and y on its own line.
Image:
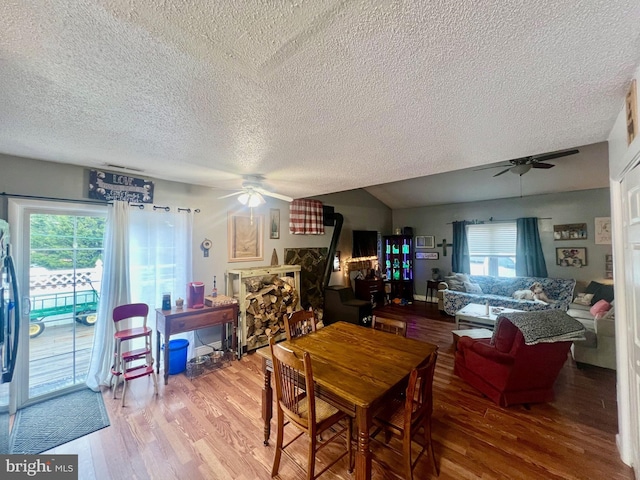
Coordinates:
491	219
87	201
166	209
71	200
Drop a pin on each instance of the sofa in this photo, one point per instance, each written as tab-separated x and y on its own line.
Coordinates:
498	291
508	370
599	348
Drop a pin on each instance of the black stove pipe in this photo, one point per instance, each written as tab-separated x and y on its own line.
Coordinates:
335	219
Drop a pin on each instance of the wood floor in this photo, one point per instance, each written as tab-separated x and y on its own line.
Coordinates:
210	427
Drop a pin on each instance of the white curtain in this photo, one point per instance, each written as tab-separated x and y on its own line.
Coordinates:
115	291
160	259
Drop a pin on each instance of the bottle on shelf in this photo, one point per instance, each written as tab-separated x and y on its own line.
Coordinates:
214	292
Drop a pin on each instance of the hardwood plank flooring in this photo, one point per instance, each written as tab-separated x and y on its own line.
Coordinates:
210	427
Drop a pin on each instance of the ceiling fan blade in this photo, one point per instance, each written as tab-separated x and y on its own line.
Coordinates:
274	195
495	166
541	165
504	171
231	195
551	156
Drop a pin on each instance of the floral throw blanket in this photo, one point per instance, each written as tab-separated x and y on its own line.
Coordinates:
547	326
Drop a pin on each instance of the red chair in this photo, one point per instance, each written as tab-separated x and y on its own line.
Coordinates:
507	370
134	363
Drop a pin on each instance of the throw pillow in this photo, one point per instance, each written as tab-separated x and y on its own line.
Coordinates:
610	313
462	277
600	291
454	284
583	298
600	307
471	287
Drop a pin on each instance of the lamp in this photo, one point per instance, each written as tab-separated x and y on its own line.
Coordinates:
520	169
251	199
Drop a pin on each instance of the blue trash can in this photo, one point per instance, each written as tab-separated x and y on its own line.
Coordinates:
178	355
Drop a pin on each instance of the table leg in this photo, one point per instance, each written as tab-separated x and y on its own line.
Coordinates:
234	339
267	403
166	360
158	352
363	454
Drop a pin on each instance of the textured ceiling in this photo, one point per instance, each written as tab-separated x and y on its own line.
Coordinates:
317	96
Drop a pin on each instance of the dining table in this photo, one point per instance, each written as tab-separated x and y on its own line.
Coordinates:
355	368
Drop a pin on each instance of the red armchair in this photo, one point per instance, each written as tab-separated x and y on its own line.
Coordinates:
508	371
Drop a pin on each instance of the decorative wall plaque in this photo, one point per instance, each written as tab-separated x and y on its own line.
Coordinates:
115	186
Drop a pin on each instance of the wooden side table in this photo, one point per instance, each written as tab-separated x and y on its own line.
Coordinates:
170	322
432	286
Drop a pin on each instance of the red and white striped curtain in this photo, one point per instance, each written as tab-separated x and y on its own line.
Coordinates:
305	217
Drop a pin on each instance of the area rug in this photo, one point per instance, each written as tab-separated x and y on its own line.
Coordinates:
53	422
4	429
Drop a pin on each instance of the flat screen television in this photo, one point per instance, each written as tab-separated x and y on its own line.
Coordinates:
365	243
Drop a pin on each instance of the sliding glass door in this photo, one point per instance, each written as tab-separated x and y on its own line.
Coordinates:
61	269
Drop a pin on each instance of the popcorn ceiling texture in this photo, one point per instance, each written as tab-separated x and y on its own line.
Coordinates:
318	96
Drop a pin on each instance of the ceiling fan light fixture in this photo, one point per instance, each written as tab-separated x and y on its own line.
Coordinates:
251	199
520	169
243	198
255	199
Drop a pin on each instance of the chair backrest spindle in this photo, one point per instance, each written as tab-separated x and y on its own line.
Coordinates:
397	327
299	323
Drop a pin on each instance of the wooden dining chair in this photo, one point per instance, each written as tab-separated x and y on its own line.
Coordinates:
138	362
407	415
399	327
299	323
296	402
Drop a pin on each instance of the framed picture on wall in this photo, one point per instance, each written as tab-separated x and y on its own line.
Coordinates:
571	257
603	230
244	237
274	223
425	241
570	231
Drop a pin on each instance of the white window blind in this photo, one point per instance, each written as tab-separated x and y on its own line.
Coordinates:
492	239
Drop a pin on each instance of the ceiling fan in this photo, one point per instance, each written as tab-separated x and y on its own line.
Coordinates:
253	193
522	165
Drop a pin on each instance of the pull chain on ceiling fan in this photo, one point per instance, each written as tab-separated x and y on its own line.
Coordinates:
520	166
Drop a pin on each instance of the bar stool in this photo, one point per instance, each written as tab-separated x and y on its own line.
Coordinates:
124	362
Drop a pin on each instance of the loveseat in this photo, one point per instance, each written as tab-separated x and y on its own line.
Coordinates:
599	348
498	292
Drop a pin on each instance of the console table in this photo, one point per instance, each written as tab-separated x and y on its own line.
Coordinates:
180	320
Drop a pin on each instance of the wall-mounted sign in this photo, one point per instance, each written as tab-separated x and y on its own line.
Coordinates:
115	186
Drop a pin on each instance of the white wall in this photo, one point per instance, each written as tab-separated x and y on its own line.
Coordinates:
561	208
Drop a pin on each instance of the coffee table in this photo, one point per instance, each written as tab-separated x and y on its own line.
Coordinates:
474	316
475	333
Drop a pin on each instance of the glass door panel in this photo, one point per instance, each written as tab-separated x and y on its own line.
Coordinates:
65	271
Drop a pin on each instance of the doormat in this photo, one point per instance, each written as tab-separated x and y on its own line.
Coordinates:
53	422
4	431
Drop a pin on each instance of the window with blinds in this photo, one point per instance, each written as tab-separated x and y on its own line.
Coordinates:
492	249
